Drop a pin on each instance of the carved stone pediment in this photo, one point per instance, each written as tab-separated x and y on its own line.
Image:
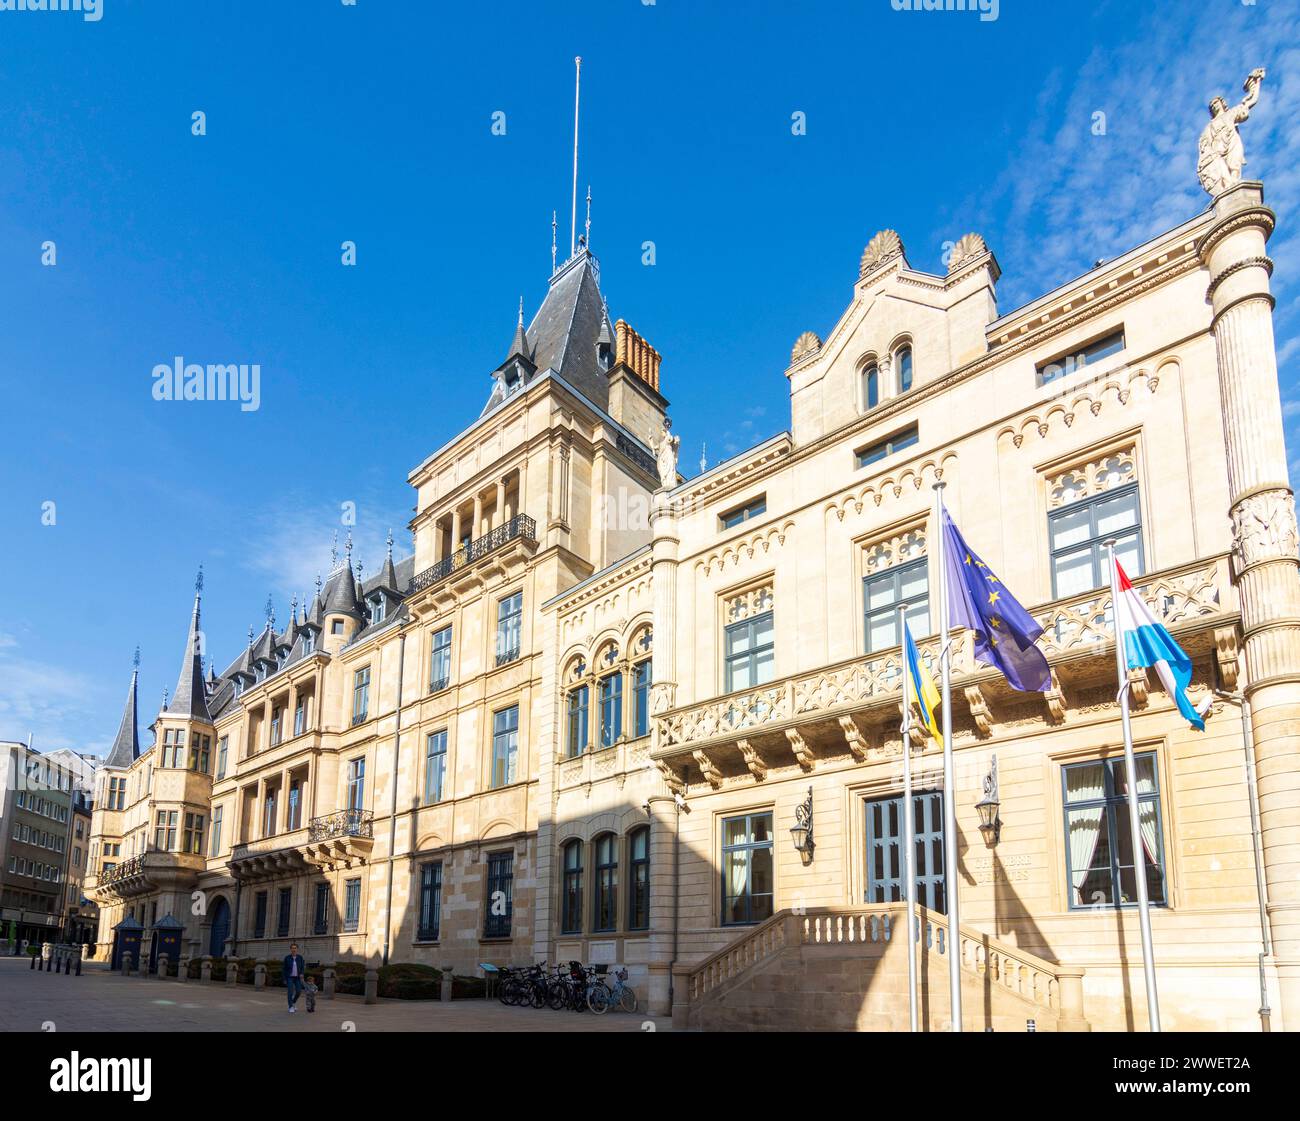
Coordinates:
884	247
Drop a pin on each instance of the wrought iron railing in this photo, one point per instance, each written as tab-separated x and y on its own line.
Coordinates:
345	823
636	454
520	527
131	867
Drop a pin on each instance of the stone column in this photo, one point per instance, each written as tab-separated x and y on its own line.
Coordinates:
501	502
1265	564
663	891
665	541
455	530
477	531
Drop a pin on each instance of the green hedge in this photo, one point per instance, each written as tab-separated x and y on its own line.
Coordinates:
399	981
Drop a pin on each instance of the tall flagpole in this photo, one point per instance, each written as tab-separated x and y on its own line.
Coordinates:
949	781
1134	818
573	220
909	837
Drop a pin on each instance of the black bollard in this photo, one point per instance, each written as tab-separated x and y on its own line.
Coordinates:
67	965
33	965
78	965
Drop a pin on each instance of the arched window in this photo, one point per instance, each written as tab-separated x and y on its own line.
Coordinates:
576	736
638	881
571	918
903	359
871	386
606	914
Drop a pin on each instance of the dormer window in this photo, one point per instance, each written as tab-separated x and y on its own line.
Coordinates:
239	685
377	605
308	642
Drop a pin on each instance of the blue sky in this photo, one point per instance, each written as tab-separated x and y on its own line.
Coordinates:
372	123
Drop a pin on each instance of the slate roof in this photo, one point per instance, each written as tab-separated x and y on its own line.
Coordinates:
190	697
126	747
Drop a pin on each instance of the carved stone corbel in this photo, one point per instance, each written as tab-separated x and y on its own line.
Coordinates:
802	752
708	768
1227	650
675	782
854	737
1137	688
979	710
1056	703
750	754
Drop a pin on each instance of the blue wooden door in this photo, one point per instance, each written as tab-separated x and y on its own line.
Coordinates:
220	928
884	849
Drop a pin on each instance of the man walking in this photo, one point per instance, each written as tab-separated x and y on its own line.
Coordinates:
294	970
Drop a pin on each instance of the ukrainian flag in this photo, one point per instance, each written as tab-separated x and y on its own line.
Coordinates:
920	685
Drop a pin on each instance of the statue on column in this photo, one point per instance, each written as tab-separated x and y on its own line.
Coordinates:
666	455
1221	156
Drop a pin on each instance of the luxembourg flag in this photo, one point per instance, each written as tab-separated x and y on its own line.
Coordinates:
1148	644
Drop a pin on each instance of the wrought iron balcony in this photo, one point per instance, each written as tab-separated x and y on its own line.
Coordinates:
133	866
521	527
345	823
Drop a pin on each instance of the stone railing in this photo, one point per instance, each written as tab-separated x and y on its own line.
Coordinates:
345	823
1078	625
761	942
604	762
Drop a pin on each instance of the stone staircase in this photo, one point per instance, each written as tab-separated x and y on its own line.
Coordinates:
845	969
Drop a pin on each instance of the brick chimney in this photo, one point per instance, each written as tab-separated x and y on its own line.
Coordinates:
632	351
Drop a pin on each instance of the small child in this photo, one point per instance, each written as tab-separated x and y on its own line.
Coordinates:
309	987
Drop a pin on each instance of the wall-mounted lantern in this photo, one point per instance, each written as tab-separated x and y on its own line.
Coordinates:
802	829
988	806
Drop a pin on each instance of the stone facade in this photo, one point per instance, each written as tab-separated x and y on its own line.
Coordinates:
647	679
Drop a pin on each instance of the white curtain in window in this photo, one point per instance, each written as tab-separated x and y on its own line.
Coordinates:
1147	823
1083	784
737	875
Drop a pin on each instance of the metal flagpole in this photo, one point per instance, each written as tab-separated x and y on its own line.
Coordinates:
1134	822
909	837
573	221
949	781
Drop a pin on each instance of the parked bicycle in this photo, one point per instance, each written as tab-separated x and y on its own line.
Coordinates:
601	997
569	985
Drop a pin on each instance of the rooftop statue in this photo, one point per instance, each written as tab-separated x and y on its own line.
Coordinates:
666	456
1221	156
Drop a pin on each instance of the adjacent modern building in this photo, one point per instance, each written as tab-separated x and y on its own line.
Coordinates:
608	713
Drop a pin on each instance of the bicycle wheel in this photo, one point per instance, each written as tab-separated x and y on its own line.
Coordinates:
598	998
627	1000
556	995
508	992
536	995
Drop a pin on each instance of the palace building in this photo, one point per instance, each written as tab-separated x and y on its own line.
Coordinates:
608	713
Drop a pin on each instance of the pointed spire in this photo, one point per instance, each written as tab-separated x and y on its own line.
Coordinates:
388	573
552	242
519	344
190	696
334	552
587	237
704	462
126	745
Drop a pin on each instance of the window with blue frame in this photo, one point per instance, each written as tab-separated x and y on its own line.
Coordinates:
903	361
884	850
641	699
500	895
321	916
360	694
747	863
1077	536
357	783
286	910
605	915
430	921
1099	846
1088	354
611	709
510	615
435	766
883	593
440	660
750	653
874	453
576	721
871	386
259	915
638	901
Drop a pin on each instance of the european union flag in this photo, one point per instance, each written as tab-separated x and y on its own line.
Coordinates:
1005	633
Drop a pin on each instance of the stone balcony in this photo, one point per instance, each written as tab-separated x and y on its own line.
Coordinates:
602	763
147	872
852	708
338	840
501	548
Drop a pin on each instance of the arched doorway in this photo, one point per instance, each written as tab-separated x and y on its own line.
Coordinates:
220	927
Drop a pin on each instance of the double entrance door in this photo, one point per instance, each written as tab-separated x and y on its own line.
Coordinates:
884	850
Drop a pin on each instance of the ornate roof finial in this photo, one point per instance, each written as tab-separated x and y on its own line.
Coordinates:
135	662
250	636
198	581
348	549
704	463
553	225
318	583
164	706
390	544
588	237
521	312
293	609
270	613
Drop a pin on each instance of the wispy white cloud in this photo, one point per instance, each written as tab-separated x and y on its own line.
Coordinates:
45	701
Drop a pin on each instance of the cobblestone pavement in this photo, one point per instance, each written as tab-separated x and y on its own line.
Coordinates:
102	1001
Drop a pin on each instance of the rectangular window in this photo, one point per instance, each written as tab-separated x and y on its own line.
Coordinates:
360	694
1066	364
193	833
377	605
308	641
440	660
223	746
611	709
905	585
321	912
275	726
357	783
576	734
286	907
1077	535
1098	842
200	749
218	813
336	627
510	615
268	813
295	805
500	895
884	851
165	830
571	903
300	717
351	905
750	658
259	916
747	884
435	766
752	509
505	746
430	901
605	917
874	453
641	699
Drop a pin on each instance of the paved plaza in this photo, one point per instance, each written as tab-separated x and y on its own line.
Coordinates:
102	1001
